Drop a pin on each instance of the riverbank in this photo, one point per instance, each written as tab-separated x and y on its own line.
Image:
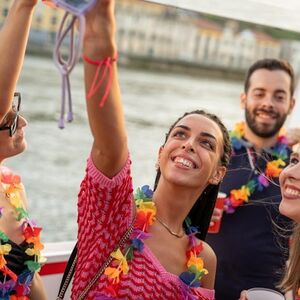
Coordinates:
159	65
182	67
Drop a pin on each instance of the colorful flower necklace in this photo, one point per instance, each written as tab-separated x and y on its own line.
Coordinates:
11	184
238	197
145	217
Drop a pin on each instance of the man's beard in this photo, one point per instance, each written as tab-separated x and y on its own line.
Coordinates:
259	130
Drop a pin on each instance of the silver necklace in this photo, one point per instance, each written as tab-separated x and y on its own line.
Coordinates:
170	231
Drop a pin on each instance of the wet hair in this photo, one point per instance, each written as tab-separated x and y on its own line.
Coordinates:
201	212
270	64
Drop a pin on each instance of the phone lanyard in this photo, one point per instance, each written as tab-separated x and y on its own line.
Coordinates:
65	66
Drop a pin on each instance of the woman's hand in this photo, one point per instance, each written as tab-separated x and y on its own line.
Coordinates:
216	216
243	295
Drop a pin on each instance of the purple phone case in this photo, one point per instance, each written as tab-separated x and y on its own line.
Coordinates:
75	7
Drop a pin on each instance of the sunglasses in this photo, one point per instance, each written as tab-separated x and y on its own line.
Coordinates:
12	117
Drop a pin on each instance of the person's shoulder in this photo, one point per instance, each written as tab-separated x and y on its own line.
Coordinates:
208	253
210	264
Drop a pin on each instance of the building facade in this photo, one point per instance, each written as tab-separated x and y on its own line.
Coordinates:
154	32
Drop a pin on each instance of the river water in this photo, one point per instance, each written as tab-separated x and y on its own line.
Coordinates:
54	162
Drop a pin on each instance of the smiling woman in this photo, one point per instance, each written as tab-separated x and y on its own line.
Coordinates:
147	249
208	139
290	207
290	187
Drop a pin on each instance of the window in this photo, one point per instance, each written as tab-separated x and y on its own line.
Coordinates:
53	20
5	12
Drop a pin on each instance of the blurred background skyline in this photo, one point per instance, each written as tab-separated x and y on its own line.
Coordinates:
157	36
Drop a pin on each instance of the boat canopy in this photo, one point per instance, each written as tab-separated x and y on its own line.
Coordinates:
275	13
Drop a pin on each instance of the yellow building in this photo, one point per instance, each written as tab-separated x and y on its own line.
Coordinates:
48	19
45	18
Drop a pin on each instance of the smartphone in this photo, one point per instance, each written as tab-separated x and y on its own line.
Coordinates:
75	7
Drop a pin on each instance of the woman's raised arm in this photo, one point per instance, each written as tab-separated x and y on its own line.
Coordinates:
13	41
109	150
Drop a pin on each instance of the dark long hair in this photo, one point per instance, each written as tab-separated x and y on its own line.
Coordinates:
201	212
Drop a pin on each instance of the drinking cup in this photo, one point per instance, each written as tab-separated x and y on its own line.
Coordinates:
220	205
263	294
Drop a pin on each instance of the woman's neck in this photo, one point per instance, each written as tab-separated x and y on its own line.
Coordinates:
174	203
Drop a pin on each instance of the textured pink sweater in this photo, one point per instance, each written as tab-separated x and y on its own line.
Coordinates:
104	215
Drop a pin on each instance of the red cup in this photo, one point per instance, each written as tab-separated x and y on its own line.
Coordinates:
220	205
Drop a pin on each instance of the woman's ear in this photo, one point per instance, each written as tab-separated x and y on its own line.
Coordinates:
218	175
158	157
159	152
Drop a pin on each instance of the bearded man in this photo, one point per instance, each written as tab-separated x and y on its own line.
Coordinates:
250	250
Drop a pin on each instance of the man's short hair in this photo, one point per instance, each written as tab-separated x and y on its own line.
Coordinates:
271	64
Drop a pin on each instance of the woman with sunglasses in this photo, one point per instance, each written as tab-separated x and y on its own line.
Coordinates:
20	245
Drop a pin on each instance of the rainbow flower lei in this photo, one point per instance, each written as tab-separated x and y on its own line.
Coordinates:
145	217
240	196
11	184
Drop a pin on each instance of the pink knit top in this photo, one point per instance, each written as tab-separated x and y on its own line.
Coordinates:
104	214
